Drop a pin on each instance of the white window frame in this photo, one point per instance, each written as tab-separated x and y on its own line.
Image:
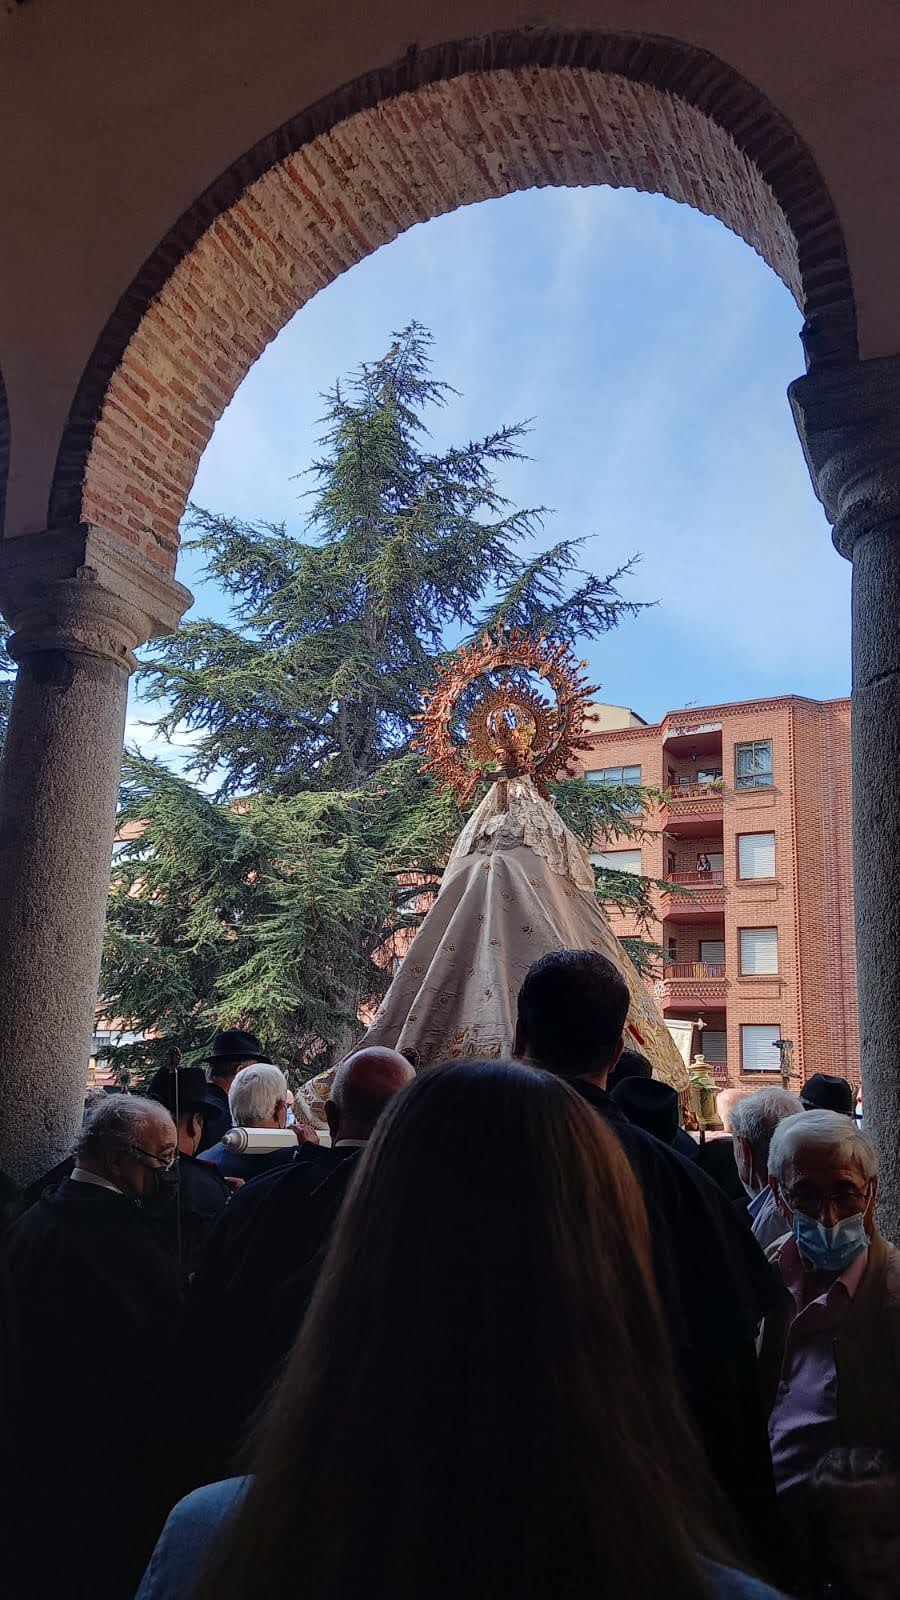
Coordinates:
761	777
756	877
755	946
607	859
614	777
765	1046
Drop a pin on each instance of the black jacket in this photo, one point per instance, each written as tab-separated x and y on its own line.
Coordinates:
97	1303
715	1286
218	1118
252	1287
185	1219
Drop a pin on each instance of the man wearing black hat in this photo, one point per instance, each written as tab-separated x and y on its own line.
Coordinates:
232	1049
825	1092
653	1106
183	1221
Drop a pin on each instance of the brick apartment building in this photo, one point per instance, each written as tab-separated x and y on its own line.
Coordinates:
755	827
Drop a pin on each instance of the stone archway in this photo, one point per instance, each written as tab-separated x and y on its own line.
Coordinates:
443	128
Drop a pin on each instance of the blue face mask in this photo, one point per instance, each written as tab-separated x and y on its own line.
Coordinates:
830	1249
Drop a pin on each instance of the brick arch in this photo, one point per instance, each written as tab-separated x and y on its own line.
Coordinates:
444	128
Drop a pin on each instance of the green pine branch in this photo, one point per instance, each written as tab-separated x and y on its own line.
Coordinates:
272	895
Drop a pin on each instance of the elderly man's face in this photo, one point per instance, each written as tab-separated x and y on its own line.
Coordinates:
826	1189
154	1149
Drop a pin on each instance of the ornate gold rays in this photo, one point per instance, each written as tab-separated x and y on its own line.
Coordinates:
511	730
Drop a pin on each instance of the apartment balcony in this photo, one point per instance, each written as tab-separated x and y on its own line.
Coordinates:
693	983
702	894
691	809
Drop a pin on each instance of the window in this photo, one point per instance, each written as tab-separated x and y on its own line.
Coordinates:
618	860
756	855
672	948
714	857
758	1047
759	951
714	1049
713	951
709	775
616	777
753	765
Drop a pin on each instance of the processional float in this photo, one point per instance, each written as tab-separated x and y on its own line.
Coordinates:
517	883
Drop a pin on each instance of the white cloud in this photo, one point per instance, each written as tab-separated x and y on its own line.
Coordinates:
654	349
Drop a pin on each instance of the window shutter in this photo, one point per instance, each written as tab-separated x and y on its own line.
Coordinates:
618	860
758	1053
756	855
759	951
713	951
714	1046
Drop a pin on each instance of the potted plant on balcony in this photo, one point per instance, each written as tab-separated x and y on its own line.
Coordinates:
703	1093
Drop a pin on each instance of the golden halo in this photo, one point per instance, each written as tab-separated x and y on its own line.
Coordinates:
511	730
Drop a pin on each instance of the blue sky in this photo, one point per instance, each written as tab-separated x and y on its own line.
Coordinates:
653	350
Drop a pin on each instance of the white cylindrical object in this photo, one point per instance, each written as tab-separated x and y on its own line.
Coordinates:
257	1140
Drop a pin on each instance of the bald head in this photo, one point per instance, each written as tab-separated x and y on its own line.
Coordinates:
362	1087
726	1100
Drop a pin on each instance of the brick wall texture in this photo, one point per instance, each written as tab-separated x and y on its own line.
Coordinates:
350	190
810	900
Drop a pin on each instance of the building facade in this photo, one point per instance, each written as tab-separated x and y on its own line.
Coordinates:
753	833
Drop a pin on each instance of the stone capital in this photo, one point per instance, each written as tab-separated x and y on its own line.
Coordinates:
848	419
82	591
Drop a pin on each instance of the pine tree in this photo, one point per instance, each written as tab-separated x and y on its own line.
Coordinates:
269	891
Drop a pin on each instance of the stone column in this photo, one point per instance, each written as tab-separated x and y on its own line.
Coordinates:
848	418
79	603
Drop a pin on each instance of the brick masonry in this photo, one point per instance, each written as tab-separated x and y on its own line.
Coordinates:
810	901
539	109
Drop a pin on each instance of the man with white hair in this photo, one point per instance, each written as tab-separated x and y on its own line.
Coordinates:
258	1098
753	1119
831	1347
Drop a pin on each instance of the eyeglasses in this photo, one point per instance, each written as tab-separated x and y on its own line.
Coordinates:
845	1199
166	1163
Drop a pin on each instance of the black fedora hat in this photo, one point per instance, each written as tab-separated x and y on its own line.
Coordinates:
826	1092
233	1044
189	1093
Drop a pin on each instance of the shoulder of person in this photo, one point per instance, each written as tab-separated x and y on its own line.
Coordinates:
188	1538
726	1583
212	1156
203	1179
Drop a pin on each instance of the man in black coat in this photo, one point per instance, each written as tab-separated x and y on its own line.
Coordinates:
98	1301
184	1218
232	1049
258	1272
713	1280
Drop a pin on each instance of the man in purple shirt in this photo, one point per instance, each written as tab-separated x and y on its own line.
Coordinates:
830	1352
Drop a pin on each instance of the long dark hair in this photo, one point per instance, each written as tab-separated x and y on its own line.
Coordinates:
481	1403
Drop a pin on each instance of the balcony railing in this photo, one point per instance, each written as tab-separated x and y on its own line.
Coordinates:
695	791
694	969
714	878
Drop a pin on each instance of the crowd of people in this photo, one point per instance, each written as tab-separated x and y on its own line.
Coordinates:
508	1333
